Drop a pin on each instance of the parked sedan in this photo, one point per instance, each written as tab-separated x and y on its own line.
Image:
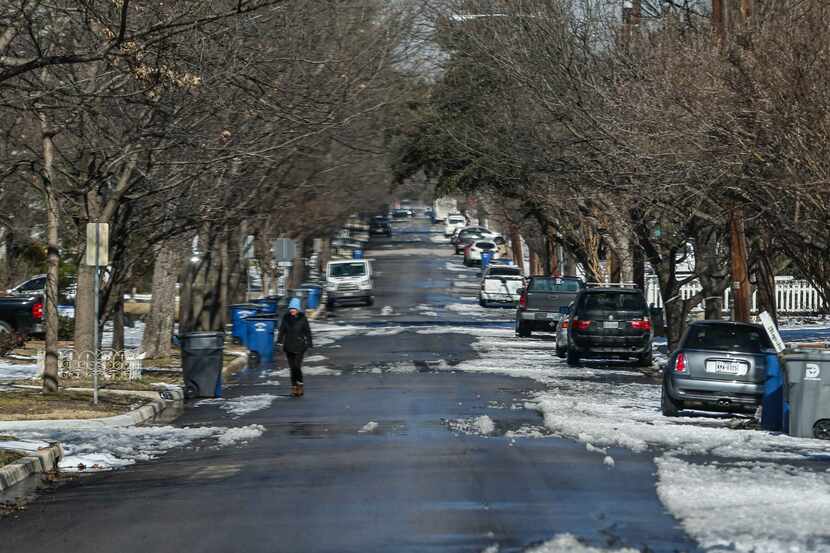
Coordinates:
718	366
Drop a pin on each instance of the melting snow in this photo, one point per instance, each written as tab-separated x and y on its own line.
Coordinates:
243	405
567	543
369	427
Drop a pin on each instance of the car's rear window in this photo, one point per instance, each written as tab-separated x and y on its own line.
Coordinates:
613	301
504	271
485	245
725	337
348	269
554	285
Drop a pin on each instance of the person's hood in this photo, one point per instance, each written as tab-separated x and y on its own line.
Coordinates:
295	304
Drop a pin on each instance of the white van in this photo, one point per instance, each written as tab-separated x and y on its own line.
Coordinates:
349	281
454	221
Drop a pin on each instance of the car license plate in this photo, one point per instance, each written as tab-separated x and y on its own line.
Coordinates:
737	368
611	324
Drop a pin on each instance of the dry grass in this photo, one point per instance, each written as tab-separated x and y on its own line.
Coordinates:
34	405
7	457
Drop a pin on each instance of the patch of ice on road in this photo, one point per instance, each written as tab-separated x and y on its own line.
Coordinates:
492	549
593	449
403	367
242	405
455	267
527	432
750	507
387	310
90	445
12	371
369	427
482	425
308	371
485	424
315	358
438	239
268	383
242	434
609	461
568	543
387	331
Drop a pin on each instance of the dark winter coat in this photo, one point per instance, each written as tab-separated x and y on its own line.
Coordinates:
295	333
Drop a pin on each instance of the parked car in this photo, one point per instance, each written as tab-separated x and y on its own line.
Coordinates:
454	221
21	315
718	366
468	234
349	281
380	225
500	284
610	322
473	251
544	302
67	288
401	213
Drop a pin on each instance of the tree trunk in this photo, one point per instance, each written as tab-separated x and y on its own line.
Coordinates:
766	286
535	263
516	247
638	266
158	330
50	373
551	257
118	321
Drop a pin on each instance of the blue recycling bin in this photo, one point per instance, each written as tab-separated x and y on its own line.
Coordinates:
259	336
772	406
486	258
314	293
238	313
357	253
267	305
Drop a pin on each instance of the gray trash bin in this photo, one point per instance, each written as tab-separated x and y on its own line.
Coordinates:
808	393
202	363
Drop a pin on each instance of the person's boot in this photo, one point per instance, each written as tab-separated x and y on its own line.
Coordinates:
300	390
295	391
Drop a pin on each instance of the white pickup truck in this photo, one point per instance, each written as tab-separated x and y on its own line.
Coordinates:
501	284
349	281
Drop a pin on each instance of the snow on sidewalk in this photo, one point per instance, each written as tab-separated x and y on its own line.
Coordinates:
12	371
92	445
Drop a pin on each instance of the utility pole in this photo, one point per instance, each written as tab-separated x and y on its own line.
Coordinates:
741	287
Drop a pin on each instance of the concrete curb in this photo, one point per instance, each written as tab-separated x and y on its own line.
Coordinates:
138	416
43	460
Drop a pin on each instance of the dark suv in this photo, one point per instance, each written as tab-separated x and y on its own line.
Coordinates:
609	322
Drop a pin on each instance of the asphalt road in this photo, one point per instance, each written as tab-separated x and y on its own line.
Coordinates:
421	482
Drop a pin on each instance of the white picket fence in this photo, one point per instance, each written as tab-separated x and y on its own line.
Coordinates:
792	296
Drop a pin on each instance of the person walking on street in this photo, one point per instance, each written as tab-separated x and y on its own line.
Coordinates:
295	338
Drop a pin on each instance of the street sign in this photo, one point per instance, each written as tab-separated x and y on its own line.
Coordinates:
248	247
284	249
97	244
772	332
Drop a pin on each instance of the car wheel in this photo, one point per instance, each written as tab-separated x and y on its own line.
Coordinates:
7	338
522	331
561	353
370	302
482	302
670	406
573	358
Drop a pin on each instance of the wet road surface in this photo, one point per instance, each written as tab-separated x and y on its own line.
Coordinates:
426	478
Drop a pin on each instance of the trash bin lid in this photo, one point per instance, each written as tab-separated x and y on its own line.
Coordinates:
245	305
263	317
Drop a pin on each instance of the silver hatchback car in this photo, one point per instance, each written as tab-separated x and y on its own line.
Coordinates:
718	366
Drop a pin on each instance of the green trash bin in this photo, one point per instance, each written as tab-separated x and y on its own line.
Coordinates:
808	393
